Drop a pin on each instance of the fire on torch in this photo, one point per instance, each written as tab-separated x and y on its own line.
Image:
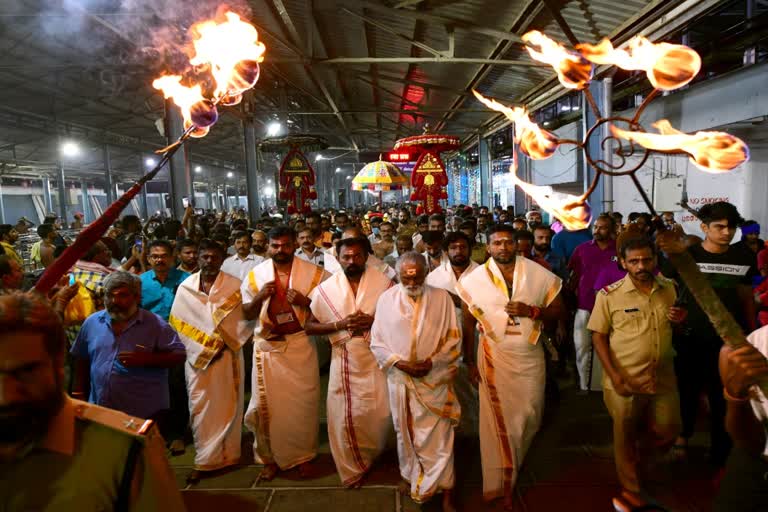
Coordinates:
230	51
668	67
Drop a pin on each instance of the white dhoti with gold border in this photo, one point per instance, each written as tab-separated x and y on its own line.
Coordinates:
213	330
511	365
424	410
285	382
358	403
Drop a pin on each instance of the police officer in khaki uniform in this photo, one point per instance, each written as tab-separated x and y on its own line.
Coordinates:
631	326
57	453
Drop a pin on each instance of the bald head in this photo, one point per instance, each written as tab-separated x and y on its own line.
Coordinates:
352	233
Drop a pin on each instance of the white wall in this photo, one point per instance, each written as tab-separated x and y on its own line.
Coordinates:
563	166
733	103
746	187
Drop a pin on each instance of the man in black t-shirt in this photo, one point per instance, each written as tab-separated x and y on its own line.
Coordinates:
729	269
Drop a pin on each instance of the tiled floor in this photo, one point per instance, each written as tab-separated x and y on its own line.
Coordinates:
569	468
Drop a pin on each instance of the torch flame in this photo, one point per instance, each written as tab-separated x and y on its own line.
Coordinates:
573	70
184	97
536	143
713	152
233	51
573	212
667	66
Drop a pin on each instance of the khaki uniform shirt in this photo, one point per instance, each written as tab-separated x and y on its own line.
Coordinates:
81	464
640	335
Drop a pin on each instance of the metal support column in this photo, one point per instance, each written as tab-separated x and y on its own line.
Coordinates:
109	188
237	192
226	198
62	190
84	194
251	171
597	88
606	107
2	203
209	194
144	200
180	171
47	197
520	197
486	183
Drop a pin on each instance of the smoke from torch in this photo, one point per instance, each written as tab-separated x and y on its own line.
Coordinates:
232	52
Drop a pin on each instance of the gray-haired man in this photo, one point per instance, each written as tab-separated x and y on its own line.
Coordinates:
122	354
415	339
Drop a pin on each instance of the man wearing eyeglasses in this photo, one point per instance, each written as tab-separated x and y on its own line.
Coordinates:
159	285
158	289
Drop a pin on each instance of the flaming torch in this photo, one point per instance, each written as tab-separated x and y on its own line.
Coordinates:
231	52
667	67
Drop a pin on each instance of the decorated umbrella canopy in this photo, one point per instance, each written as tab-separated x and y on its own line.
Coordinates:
379	176
297	177
429	177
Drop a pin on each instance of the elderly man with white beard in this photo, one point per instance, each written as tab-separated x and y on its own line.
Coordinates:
415	339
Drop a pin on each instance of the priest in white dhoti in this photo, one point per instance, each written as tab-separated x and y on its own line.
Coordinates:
208	316
457	246
333	266
507	298
416	340
283	411
343	308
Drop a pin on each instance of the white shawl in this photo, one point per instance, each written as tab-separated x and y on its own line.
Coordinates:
333	299
205	323
333	266
485	293
305	276
443	276
416	329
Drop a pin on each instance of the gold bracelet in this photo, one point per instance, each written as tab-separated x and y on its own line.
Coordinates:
335	326
732	398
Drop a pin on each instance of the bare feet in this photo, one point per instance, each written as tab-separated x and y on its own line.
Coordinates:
448	505
267	473
306	471
628	501
177	447
194	476
404	488
357	484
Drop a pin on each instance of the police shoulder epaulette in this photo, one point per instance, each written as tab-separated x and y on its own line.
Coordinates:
665	280
612	287
115	420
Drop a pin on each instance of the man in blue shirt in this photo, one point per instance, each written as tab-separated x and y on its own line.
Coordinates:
565	242
159	285
125	352
158	289
542	248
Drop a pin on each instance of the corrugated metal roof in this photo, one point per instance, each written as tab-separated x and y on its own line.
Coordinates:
109	84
